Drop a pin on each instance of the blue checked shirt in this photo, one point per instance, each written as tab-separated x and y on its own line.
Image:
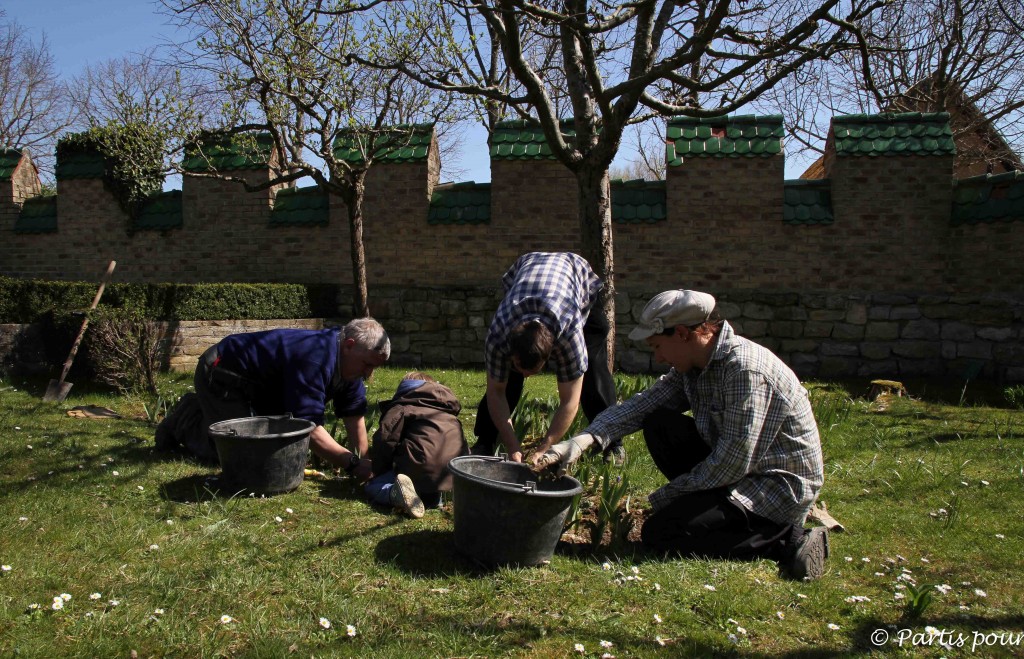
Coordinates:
752	411
557	288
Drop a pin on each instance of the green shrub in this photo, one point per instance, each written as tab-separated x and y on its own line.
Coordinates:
26	301
1015	396
132	159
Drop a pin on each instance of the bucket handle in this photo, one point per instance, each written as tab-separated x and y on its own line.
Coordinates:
232	432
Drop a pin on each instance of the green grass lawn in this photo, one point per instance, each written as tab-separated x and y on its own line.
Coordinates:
154	562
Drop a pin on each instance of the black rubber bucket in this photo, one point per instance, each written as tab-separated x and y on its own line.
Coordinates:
262	454
504	513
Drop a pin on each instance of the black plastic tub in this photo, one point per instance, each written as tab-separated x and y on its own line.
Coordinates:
262	454
505	514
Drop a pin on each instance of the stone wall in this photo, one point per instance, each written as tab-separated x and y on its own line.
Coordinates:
821	335
22	349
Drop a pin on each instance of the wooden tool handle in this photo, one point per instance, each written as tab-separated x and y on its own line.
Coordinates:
85	321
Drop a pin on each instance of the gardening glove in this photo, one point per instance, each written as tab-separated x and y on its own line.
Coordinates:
563	455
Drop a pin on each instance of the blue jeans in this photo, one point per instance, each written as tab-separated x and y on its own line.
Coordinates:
378	488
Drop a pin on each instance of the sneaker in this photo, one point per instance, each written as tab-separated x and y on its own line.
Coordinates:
808	560
615	454
404	497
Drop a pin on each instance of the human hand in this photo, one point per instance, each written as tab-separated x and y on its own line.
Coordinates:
363	472
516	456
563	455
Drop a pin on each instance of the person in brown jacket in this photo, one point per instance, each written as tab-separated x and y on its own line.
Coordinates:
419	433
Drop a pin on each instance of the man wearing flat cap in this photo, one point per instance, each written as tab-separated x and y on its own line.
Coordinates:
744	470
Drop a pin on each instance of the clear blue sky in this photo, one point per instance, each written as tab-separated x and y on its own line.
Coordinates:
81	32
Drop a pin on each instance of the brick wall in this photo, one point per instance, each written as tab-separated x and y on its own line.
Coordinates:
891	287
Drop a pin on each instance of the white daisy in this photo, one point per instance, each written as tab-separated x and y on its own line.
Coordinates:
325	623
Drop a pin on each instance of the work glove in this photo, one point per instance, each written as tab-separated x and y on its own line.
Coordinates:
563	455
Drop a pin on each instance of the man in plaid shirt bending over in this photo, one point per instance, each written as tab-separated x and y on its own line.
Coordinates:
546	316
745	469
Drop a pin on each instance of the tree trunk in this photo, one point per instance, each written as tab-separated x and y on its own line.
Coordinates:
360	305
595	210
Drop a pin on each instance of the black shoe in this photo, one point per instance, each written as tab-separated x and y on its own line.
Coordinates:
164	438
808	560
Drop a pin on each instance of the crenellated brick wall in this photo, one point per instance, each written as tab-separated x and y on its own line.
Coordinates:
888	287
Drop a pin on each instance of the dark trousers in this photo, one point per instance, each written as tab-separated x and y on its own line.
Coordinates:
707	523
220	395
598	392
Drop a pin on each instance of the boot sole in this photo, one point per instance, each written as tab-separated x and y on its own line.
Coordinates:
808	563
410	502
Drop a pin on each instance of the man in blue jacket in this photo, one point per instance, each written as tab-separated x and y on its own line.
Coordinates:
284	371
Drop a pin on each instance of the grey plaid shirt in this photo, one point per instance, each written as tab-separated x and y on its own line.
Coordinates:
556	288
752	411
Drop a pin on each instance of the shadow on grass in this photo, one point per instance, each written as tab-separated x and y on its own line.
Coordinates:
426	553
193	489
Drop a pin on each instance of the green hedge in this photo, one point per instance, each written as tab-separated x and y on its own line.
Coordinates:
26	301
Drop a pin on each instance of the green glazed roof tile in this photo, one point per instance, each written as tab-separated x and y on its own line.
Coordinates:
743	135
224	153
518	139
405	143
309	206
38	215
160	212
460	203
988	198
638	201
807	201
905	133
9	159
80	166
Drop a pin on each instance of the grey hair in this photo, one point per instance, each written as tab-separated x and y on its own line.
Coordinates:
369	335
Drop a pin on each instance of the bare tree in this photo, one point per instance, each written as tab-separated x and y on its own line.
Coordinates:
958	56
282	62
612	64
648	159
34	106
143	87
